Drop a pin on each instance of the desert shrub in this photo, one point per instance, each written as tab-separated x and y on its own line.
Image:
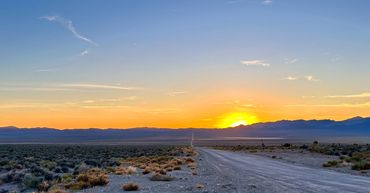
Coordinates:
43	186
67	178
160	177
125	171
82	168
189	160
314	147
194	172
192	166
58	170
31	181
58	191
110	169
52	162
93	177
330	163
131	186
199	185
287	145
93	163
146	171
65	169
50	165
361	165
177	168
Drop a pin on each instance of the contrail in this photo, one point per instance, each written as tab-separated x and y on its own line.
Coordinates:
69	25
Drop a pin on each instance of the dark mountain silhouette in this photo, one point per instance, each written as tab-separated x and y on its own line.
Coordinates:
354	127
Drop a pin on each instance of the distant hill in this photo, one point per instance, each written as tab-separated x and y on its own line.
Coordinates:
353	127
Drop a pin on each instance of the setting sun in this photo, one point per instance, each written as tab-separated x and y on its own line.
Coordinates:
236	119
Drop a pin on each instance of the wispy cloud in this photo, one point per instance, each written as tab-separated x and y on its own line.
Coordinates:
361	95
35	88
34	105
266	2
85	52
255	63
69	25
308	78
311	78
110	100
291	60
291	78
62	87
341	105
176	93
46	70
97	86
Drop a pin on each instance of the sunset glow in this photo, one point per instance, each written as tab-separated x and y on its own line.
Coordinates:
236	119
181	64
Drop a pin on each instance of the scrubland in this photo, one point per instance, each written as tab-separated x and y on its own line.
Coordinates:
65	168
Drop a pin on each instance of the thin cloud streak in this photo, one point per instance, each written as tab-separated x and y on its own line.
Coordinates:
62	87
342	105
97	86
361	95
85	52
46	70
291	61
69	25
255	63
176	93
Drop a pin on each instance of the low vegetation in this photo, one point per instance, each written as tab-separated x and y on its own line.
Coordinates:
42	168
160	177
91	178
131	186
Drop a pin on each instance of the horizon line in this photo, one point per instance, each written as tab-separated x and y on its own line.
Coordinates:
178	128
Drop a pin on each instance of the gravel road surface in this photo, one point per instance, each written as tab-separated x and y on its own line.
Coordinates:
246	172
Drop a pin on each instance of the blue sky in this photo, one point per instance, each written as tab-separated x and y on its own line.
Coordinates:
300	52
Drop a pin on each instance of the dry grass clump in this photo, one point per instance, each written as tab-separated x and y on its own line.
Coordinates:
189	160
91	178
330	163
177	168
131	186
44	186
58	191
186	151
125	171
146	171
199	186
161	165
192	166
158	164
160	177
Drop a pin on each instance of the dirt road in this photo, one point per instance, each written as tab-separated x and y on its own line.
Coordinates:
252	173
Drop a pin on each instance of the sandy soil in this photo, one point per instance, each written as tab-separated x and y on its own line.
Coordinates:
306	158
237	172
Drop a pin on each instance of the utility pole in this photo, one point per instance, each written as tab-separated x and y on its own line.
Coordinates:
192	139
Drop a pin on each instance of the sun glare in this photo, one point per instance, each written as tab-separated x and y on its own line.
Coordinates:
236	119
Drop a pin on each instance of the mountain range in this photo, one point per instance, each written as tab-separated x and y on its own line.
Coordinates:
354	127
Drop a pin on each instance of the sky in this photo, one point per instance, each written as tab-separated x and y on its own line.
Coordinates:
180	64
